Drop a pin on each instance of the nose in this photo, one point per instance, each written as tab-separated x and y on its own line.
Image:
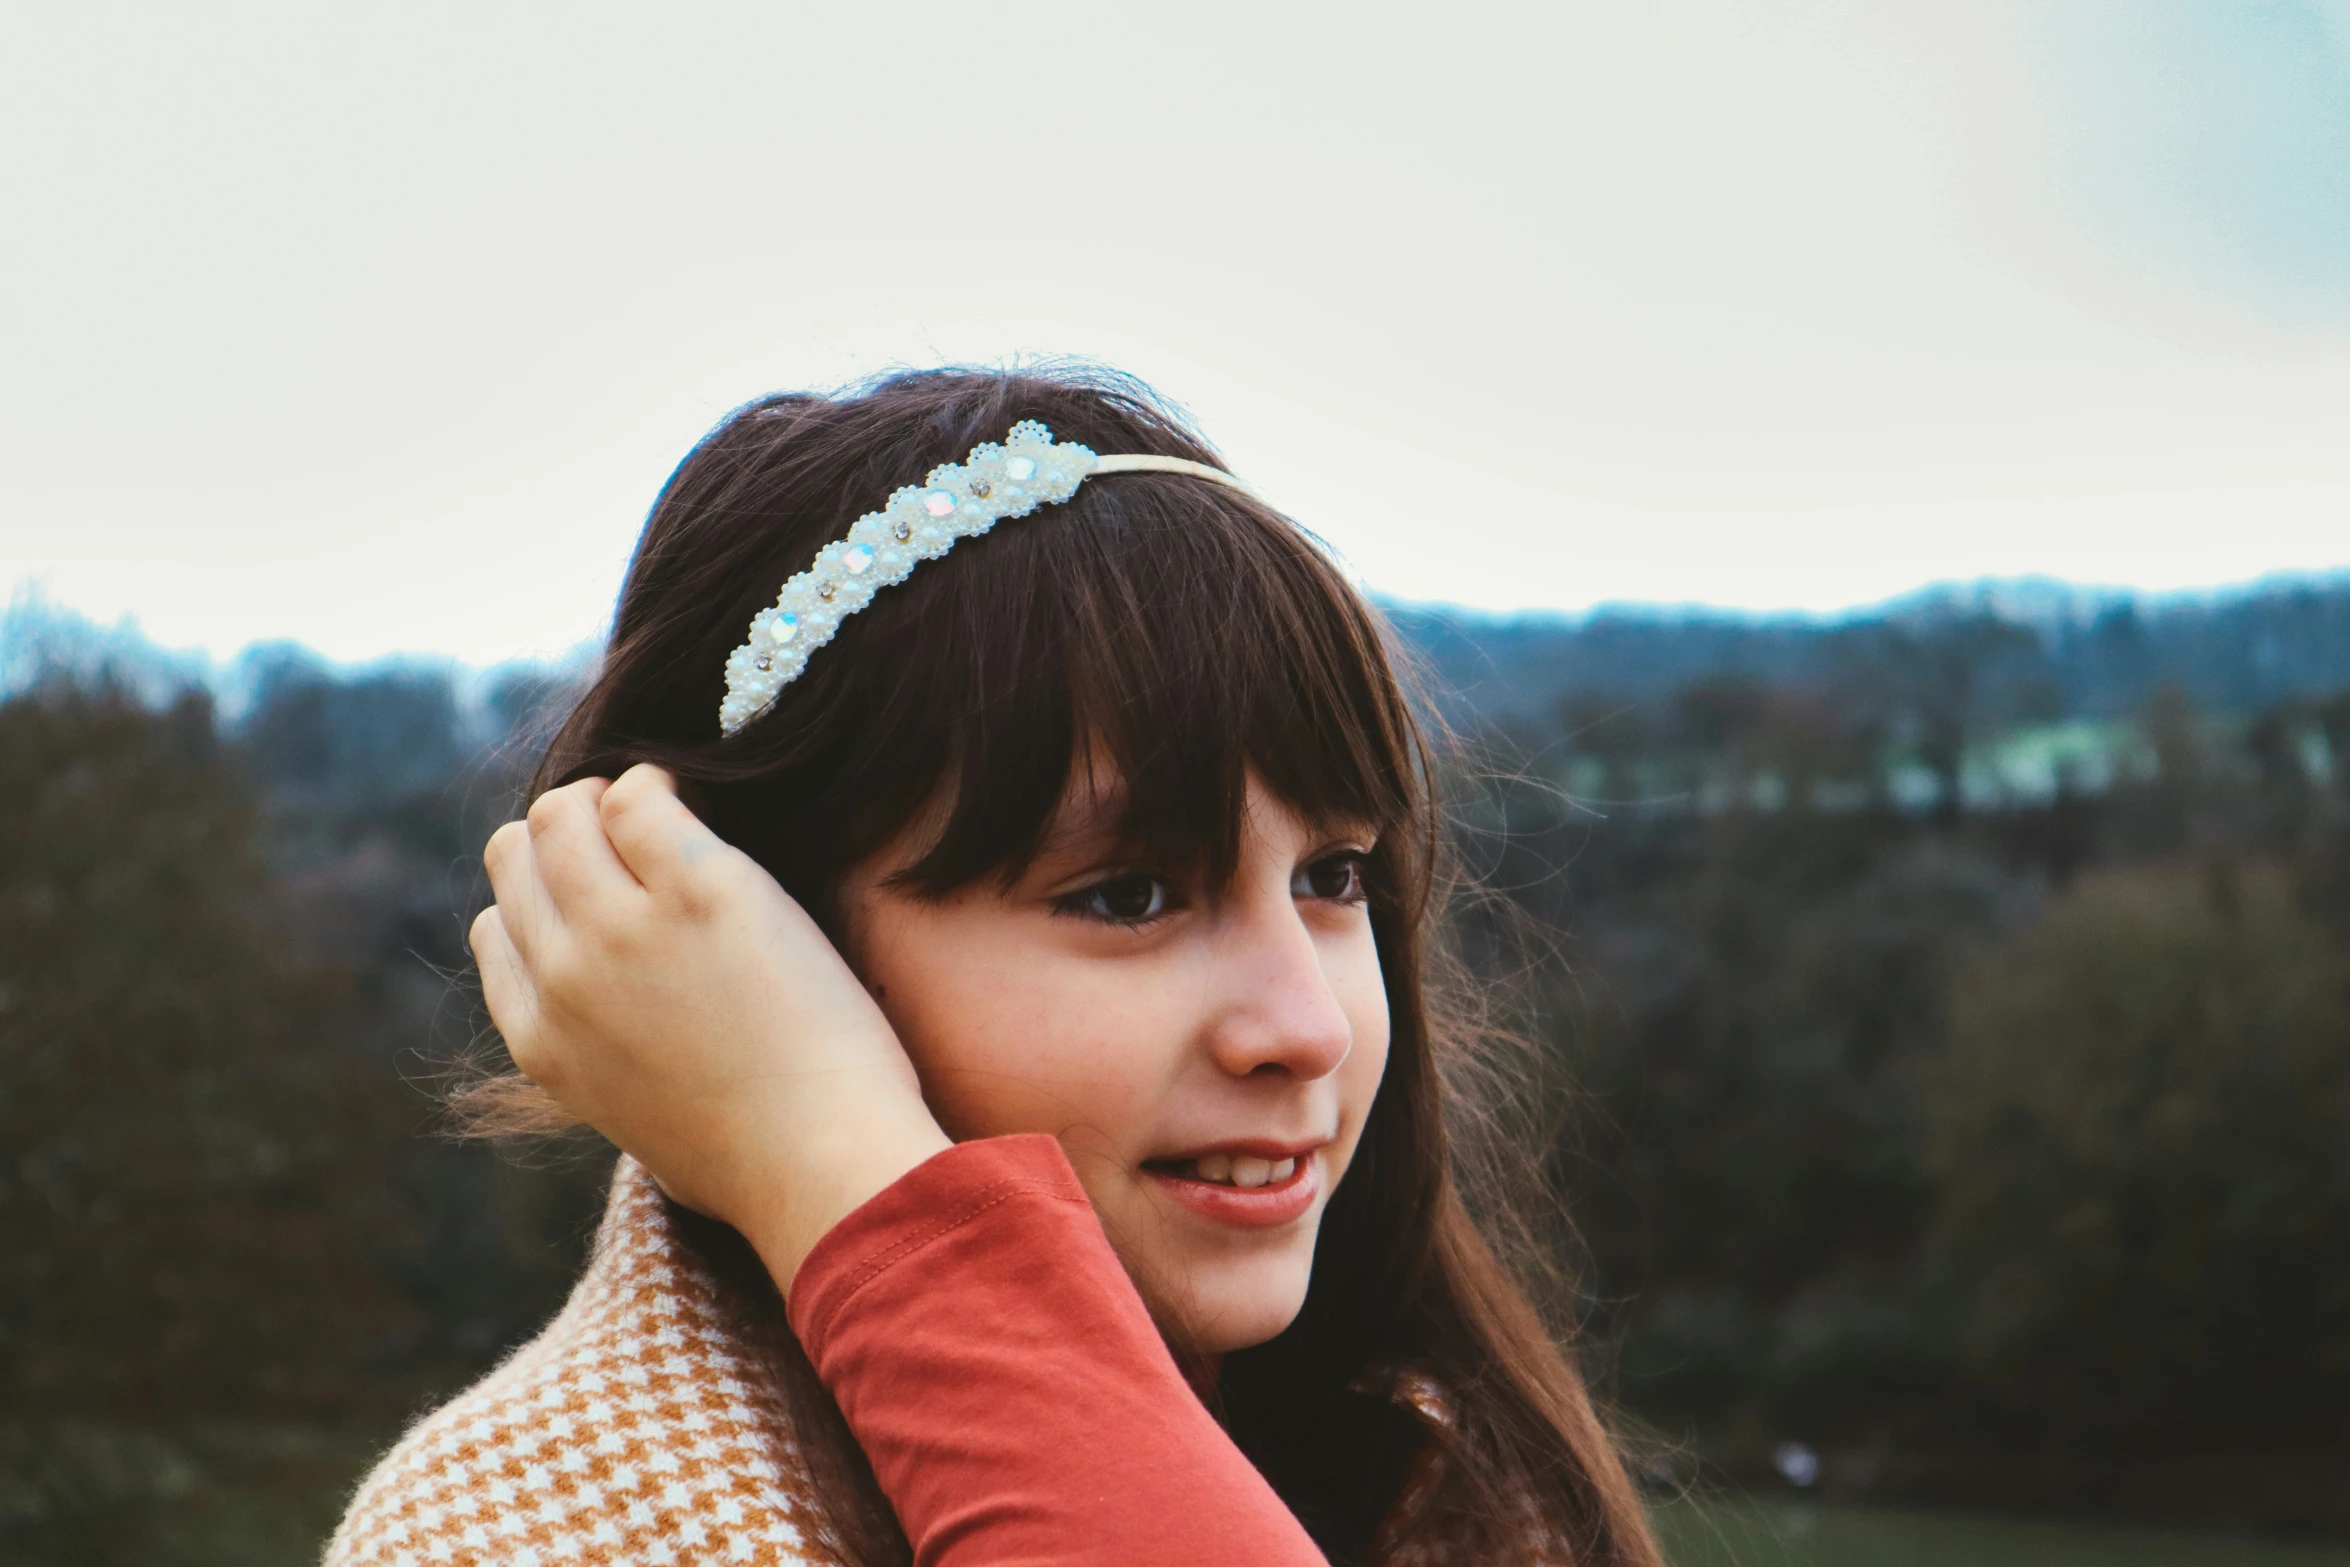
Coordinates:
1279	1012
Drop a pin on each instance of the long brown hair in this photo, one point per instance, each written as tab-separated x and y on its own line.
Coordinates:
1188	635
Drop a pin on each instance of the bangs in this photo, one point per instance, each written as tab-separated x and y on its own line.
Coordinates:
1159	639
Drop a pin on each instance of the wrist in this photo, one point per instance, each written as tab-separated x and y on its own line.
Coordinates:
831	1173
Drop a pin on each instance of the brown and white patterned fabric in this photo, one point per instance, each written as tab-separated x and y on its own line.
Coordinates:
635	1429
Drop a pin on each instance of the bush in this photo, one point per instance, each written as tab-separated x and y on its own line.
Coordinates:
2141	1141
187	1167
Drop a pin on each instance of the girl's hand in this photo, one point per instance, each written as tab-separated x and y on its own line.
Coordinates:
666	991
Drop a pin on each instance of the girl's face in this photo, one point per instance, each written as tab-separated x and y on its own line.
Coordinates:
1206	1056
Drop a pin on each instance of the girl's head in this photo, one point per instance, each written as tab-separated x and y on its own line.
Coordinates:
1114	809
1121	814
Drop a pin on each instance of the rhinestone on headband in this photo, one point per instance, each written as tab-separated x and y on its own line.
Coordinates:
998	481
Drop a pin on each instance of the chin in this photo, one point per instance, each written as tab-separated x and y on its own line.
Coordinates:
1231	1303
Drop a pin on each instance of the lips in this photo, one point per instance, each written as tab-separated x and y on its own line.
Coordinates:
1251	1188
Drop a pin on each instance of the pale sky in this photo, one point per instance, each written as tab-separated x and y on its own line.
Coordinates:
378	328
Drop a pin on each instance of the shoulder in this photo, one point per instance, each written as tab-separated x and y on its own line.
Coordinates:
635	1428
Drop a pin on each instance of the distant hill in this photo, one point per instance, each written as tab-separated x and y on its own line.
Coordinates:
2044	649
1989	655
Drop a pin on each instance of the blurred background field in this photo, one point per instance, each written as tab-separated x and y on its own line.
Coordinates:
253	1497
1748	1534
1944	1025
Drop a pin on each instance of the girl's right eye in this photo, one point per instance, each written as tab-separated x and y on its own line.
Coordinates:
1135	898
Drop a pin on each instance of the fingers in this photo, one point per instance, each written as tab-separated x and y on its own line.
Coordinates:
507	990
527	913
651	829
575	857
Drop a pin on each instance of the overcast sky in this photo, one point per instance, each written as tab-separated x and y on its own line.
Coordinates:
378	327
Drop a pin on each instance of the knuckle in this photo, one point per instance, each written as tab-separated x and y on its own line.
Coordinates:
544	811
502	843
618	942
693	891
705	889
626	794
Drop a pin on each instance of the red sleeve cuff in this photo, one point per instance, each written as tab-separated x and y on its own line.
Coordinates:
923	1207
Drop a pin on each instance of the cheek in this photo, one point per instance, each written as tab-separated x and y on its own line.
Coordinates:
1363	996
1009	1035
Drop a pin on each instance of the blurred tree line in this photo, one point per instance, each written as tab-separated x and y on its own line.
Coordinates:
1962	1062
233	1258
2024	651
1962	1092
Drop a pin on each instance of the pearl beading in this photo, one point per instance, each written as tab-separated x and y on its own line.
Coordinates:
998	481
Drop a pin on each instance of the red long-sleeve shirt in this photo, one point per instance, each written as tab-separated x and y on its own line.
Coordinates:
1012	1393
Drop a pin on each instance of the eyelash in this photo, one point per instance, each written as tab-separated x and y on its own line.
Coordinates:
1076	903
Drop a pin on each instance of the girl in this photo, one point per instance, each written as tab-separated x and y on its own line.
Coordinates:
1007	981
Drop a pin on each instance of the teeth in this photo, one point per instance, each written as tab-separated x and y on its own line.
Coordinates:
1227	1169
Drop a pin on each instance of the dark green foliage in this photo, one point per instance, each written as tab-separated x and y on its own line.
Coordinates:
380	791
189	1166
222	993
1755	1002
1978	1142
2140	1138
76	1492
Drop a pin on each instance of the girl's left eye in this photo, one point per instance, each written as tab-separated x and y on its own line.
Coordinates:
1132	899
1335	878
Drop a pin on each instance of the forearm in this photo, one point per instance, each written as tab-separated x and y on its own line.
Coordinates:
1004	1379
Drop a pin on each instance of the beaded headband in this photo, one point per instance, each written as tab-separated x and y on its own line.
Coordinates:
958	501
